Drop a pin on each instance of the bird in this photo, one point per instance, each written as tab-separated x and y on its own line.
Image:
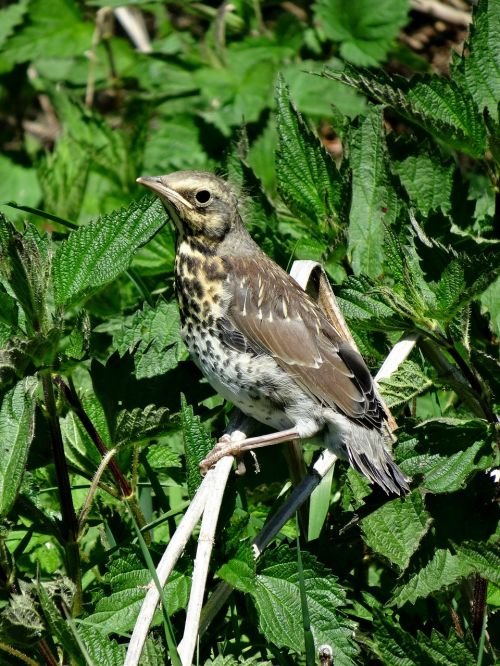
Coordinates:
261	341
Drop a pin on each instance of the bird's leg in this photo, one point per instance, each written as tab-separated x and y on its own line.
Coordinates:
227	447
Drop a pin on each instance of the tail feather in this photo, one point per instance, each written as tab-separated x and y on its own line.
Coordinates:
366	450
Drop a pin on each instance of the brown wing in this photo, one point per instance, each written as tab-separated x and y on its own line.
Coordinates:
269	312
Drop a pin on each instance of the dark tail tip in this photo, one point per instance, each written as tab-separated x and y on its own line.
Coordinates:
387	474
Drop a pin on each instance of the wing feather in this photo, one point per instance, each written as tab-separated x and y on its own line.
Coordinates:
275	316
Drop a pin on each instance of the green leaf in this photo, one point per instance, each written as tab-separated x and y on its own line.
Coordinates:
158	255
59	32
139	424
374	201
450	474
18	182
129	580
308	180
57	623
396	529
97	253
366	31
17	420
483	558
277	599
443	570
20	620
197	444
63	176
427	180
397	647
25	264
100	648
490	303
405	384
11	16
153	335
364	307
479	67
438	105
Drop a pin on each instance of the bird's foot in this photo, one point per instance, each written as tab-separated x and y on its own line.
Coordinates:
236	444
226	446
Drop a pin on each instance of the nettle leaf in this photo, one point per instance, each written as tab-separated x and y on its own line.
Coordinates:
490	303
463	279
450	474
100	647
17	421
479	67
197	444
25	261
129	581
158	256
153	335
446	452
57	622
483	558
79	338
364	306
58	33
20	620
366	31
139	424
63	176
11	16
427	180
19	183
396	529
277	598
443	570
308	179
374	202
438	105
396	647
94	255
405	384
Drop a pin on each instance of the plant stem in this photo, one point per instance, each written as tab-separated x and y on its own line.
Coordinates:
475	384
69	527
75	404
479	606
126	491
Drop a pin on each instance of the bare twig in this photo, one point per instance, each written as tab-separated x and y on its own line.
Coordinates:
132	21
216	486
171	555
443	12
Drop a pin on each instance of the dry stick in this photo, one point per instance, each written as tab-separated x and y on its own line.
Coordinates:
443	12
216	486
132	21
208	500
170	556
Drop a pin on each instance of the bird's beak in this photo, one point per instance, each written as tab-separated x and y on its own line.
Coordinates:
157	184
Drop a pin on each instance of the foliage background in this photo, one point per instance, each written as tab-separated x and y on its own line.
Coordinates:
365	136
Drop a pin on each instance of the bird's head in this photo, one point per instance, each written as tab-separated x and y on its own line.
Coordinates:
200	204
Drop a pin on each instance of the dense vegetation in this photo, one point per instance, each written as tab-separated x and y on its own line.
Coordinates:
353	146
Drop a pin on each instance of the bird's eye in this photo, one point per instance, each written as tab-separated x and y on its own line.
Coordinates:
202	197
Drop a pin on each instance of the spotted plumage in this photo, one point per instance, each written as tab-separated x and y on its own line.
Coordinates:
260	340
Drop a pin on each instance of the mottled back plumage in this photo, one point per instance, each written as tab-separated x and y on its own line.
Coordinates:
260	340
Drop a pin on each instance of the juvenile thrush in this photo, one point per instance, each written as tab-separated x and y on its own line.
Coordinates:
260	340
